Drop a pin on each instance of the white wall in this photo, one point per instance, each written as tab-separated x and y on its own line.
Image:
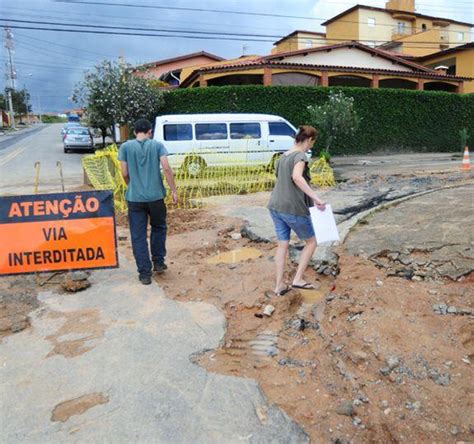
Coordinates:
350	57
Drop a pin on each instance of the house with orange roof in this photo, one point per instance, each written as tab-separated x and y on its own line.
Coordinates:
169	70
457	61
344	64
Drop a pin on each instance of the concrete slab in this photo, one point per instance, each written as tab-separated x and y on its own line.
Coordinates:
112	364
432	232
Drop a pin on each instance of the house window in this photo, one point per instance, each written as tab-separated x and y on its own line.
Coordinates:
401	28
178	132
281	129
371	22
245	131
309	43
460	36
211	131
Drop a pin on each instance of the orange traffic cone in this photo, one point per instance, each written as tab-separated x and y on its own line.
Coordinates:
466	162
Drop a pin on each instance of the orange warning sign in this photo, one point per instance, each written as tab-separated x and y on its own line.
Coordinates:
50	232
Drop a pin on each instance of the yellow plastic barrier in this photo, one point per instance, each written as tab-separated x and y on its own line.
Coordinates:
195	180
322	174
103	171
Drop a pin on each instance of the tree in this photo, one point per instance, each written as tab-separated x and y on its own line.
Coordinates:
464	137
336	118
20	100
112	94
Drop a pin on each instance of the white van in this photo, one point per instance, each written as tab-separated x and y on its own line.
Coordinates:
195	141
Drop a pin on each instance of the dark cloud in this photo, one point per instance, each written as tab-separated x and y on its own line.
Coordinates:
49	64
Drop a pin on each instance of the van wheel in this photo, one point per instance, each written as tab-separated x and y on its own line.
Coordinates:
193	166
271	166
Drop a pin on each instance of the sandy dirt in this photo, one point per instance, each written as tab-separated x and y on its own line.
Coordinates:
369	361
17	300
62	412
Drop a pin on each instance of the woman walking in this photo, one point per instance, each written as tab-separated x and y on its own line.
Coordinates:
289	207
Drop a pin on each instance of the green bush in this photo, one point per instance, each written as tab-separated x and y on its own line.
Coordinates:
53	119
392	120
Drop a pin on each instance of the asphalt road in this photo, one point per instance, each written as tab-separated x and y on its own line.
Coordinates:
9	139
348	167
20	152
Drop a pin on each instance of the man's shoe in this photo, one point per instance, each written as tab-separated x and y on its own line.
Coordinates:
160	268
145	280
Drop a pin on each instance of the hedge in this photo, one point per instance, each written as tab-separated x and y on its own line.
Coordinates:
393	120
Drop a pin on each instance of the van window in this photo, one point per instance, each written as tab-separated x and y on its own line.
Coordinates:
281	129
211	131
182	131
245	131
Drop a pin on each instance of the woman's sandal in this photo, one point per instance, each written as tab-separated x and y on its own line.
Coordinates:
305	286
270	294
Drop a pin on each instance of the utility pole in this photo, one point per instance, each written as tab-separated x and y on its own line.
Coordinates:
11	73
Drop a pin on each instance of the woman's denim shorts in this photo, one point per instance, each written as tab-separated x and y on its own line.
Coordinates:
284	223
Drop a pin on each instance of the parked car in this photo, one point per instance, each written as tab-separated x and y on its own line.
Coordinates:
69	125
78	138
195	141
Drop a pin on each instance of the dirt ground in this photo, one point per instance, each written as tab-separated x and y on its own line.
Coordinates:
17	299
364	358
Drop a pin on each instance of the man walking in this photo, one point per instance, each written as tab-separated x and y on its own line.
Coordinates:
140	162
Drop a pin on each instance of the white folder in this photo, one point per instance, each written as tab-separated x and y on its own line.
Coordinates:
324	225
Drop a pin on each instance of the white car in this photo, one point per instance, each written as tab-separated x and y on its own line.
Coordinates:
79	138
195	141
69	125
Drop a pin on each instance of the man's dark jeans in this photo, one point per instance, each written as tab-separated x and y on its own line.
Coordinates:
138	214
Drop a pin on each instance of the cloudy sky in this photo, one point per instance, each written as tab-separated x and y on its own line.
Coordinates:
50	63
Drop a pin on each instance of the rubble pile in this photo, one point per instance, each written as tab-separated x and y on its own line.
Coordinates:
419	264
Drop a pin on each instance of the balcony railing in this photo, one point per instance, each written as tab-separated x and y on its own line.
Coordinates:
401	31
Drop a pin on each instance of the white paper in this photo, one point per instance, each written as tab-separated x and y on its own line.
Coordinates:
324	225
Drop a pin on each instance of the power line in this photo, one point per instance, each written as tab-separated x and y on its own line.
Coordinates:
35	49
208	36
127	28
62	46
102	17
430	6
141	34
56	66
219	11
